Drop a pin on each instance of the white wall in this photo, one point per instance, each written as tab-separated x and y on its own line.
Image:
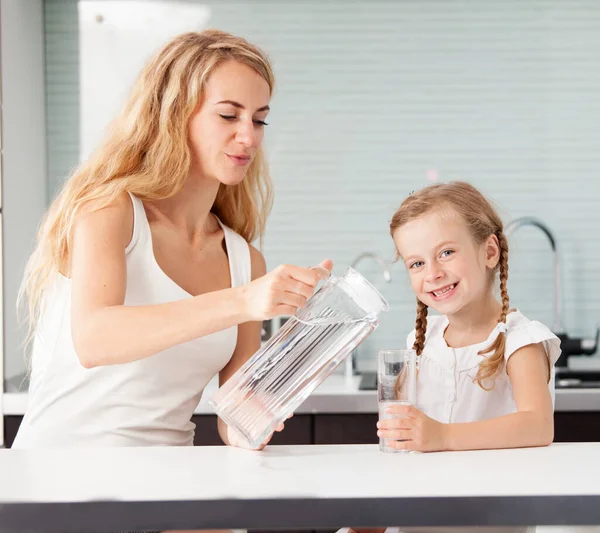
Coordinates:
24	190
371	95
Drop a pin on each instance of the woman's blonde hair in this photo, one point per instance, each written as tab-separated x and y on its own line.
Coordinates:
146	152
482	221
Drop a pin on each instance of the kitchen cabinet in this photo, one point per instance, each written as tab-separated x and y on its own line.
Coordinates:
352	428
298	430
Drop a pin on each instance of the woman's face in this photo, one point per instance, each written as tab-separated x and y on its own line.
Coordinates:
227	129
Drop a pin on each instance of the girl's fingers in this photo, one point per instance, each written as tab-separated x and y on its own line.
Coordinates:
402	445
405	410
396	423
395	434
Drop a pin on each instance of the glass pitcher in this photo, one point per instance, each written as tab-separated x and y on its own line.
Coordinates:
270	386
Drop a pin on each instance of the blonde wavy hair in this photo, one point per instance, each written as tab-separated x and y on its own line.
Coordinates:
482	221
145	151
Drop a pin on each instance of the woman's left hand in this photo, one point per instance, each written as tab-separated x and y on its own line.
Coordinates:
412	430
237	440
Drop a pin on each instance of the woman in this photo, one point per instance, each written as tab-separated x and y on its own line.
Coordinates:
143	284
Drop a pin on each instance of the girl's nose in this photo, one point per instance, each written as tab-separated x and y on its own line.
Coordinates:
434	272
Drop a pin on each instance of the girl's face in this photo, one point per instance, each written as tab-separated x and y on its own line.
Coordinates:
448	270
227	130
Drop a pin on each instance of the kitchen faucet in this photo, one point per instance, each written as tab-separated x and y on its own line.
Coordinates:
351	361
569	345
386	273
513	226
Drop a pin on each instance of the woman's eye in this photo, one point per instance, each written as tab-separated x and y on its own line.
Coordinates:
228	117
260	123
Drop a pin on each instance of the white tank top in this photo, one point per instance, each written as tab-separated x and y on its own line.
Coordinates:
148	402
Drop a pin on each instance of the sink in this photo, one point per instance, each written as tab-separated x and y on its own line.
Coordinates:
577	379
368	381
565	379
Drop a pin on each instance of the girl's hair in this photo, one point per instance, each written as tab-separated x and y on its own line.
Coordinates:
146	152
482	221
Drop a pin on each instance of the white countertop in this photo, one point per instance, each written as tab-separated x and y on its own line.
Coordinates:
286	486
337	394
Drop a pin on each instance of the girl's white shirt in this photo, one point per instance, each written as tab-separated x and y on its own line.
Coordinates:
446	390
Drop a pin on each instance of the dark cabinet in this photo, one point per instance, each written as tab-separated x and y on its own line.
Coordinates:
297	430
346	429
11	426
352	429
581	426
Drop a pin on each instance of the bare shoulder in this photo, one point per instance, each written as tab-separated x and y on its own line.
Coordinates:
114	219
257	262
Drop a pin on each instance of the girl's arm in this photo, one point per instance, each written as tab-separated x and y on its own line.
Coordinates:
531	425
105	331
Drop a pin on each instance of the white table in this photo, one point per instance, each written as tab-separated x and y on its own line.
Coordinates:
81	490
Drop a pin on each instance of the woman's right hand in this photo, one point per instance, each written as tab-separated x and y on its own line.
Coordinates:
283	290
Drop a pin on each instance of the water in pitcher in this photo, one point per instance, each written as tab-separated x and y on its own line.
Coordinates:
301	355
295	361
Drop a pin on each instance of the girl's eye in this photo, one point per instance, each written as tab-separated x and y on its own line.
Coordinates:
447	253
416	264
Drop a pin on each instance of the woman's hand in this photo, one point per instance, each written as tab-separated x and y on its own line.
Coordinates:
283	291
237	440
412	430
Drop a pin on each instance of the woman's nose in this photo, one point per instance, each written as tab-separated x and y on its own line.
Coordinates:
246	134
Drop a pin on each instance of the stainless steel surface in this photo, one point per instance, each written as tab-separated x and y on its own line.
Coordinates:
370	255
350	364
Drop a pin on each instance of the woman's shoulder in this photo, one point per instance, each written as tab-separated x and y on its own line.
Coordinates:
115	217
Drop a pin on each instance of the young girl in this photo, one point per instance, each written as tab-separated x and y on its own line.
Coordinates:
485	375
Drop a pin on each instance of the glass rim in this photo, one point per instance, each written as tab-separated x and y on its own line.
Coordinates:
403	351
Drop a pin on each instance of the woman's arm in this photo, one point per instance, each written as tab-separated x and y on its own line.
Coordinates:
105	331
531	425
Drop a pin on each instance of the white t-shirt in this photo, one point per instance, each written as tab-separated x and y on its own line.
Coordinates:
148	402
446	391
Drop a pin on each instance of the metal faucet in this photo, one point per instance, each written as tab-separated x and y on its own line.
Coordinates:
350	368
386	273
518	223
569	345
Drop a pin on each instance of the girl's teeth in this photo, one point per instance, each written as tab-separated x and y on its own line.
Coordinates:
441	293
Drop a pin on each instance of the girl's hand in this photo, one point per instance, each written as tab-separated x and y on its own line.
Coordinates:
412	430
283	291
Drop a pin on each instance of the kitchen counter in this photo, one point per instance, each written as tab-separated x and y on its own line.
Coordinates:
340	395
72	490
